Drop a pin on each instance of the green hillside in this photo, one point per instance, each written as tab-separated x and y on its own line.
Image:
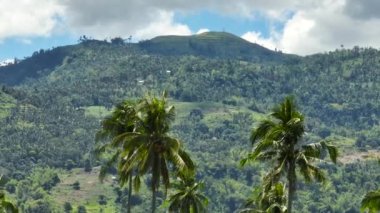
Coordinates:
212	44
52	104
7	102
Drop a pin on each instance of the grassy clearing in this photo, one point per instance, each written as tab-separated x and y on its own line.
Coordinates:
214	112
88	194
6	104
355	157
91	188
342	142
96	111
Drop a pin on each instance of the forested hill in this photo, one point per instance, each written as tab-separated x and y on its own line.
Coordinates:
52	102
213	44
210	44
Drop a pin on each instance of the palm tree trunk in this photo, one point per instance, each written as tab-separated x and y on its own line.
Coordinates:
153	199
292	184
129	194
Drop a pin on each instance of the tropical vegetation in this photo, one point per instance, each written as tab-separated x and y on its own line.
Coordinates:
122	120
271	200
371	201
279	140
144	145
187	197
54	102
5	206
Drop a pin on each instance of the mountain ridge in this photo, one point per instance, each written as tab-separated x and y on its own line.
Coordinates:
221	45
212	44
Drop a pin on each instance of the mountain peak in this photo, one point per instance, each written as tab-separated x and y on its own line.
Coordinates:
210	44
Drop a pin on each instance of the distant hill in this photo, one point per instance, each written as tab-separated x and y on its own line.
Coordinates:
31	67
220	45
211	44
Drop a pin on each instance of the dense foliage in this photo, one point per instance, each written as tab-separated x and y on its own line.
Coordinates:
279	140
49	118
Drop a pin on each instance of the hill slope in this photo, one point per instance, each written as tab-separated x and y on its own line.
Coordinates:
211	44
52	117
32	67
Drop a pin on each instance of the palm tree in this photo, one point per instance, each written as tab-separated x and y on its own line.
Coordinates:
371	201
187	198
122	120
271	201
149	148
5	206
279	140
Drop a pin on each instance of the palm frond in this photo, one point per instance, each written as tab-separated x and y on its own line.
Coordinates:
136	182
108	164
8	207
316	150
261	130
176	159
303	166
187	197
190	166
165	174
313	150
309	171
271	178
5	206
371	201
100	149
147	160
332	150
267	155
261	146
170	114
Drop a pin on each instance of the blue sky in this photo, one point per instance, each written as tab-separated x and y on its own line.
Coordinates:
23	47
295	26
20	47
213	21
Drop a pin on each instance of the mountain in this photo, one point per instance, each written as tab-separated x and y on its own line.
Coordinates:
211	44
53	102
33	66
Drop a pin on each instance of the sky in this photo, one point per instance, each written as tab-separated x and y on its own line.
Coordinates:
300	27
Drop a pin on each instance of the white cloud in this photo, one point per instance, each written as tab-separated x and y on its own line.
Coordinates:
367	9
141	19
163	25
325	27
322	27
309	26
256	37
6	62
101	19
296	36
202	30
28	18
26	41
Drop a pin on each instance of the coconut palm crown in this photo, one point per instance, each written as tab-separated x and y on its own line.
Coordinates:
122	120
279	141
5	206
187	197
149	149
371	201
267	201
